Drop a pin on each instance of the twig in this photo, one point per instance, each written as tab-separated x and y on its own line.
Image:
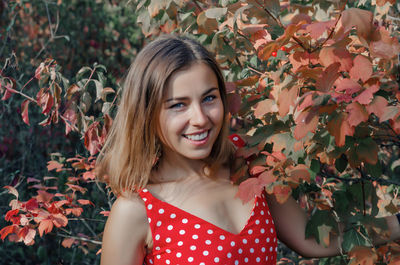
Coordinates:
80	239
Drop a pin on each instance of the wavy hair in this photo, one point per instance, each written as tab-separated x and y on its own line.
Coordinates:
132	146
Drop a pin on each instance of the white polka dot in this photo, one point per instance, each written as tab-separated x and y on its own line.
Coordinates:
236	262
190	259
172	216
257	204
262	230
149	219
268	239
157	237
258	259
222	237
168	250
246	260
159	223
272	230
250	232
149	206
244	241
197	226
251	250
182	232
168	240
208	242
158	256
274	239
266	258
184	220
276	249
240	251
170	227
267	221
158	248
195	236
252	213
209	231
180	243
151	261
220	248
216	260
270	249
229	255
145	190
263	249
167	261
178	255
144	199
264	204
161	211
235	138
232	243
202	263
257	222
205	253
193	247
262	212
257	240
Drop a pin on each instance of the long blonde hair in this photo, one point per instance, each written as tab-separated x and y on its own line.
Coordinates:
132	146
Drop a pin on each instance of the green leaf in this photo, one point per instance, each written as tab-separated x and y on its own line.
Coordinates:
341	163
356	236
99	89
83	71
315	167
374	170
216	12
320	225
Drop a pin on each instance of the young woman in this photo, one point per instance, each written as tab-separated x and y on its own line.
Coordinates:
168	159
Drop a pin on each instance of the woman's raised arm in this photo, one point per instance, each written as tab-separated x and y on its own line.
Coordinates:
125	233
291	220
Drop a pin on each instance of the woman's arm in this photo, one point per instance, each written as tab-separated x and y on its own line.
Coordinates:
291	220
125	233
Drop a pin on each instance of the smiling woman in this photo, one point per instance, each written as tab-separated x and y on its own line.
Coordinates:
168	158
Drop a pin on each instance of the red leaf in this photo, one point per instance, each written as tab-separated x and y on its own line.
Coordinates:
11	229
32	204
24	112
307	121
357	114
70	120
331	54
234	102
358	18
11	213
89	175
378	107
76	188
250	188
389	113
92	140
75	211
339	127
29	236
384	46
328	78
366	96
60	220
12	190
105	213
362	68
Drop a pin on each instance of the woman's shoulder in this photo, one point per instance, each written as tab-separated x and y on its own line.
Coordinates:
129	207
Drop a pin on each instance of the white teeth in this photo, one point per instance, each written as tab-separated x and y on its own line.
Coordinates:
197	137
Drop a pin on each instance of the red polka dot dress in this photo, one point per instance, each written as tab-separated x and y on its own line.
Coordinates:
182	238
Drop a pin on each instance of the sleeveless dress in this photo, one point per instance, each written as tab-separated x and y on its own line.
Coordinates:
180	238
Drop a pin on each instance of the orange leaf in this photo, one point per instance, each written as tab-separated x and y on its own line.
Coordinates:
67	242
358	18
282	193
357	114
264	107
12	190
10	214
250	188
328	78
54	165
362	255
44	196
59	220
287	98
88	175
348	85
316	29
385	46
74	211
24	113
307	121
366	96
45	226
339	127
105	213
299	172
362	68
4	232
378	107
332	54
85	202
76	188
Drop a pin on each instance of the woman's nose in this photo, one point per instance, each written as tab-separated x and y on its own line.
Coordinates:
198	116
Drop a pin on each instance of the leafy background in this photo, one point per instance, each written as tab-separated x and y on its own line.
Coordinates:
313	89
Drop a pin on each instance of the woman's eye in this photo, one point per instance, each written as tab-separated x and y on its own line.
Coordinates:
209	98
177	106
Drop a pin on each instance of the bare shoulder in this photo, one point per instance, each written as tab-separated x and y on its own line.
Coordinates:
125	233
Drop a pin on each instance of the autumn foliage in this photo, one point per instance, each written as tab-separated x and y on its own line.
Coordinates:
314	94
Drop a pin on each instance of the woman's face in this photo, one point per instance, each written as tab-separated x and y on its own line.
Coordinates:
191	114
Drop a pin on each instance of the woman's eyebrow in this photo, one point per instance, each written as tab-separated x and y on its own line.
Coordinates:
184	98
